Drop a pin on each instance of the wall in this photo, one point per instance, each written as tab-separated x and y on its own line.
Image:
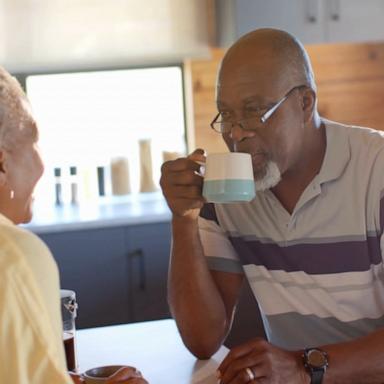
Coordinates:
350	79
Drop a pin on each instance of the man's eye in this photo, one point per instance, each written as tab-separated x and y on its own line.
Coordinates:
225	115
254	109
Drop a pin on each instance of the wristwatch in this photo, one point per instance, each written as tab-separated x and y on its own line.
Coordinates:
316	363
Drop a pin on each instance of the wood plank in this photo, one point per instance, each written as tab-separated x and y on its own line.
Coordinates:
350	79
344	62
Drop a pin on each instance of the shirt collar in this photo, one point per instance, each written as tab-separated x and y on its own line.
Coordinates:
337	153
5	220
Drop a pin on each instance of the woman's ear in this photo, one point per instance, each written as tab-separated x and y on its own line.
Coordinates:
3	167
309	103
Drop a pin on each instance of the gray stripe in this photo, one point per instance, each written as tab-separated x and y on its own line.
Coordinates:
295	331
290	284
224	265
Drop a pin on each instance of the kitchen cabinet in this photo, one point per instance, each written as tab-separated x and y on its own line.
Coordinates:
149	248
312	21
119	273
120	276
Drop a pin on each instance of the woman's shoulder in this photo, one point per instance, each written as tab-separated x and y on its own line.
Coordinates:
13	237
20	235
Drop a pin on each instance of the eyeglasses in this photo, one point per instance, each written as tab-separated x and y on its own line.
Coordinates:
220	125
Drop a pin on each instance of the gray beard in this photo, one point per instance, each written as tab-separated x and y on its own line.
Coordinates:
271	178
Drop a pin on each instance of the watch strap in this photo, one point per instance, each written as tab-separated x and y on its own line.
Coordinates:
317	376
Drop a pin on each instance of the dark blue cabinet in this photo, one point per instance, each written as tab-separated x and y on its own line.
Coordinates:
118	273
149	257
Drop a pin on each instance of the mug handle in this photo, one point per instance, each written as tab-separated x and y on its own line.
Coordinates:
201	171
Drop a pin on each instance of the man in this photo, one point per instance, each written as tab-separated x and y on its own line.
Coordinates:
309	243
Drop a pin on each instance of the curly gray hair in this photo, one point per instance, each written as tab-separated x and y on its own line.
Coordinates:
10	95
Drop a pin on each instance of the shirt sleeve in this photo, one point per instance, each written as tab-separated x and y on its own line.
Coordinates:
28	349
220	253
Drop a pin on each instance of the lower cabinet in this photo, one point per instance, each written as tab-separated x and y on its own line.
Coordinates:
120	276
149	259
119	273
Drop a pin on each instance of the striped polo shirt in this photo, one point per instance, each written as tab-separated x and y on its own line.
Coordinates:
317	274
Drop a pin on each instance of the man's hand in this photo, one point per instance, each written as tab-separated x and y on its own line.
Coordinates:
182	184
268	364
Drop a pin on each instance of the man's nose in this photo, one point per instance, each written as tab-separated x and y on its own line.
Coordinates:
238	133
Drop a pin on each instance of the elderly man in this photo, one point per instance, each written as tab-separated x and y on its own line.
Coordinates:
309	243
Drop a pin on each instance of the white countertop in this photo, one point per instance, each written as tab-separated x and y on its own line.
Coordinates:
154	347
105	212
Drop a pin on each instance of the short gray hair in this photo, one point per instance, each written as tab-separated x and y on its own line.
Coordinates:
10	95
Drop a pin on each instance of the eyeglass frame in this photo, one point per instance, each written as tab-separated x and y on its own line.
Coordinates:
263	118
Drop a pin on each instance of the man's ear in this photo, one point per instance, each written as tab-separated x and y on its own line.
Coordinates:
309	103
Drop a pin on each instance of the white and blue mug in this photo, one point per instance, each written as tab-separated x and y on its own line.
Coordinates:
228	178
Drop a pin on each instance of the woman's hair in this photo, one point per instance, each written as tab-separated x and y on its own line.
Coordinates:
10	95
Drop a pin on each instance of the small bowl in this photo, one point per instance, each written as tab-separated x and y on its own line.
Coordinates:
100	374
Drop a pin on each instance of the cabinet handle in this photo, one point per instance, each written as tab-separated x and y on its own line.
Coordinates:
139	255
312	11
334	10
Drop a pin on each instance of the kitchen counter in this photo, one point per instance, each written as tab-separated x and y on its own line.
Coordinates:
105	212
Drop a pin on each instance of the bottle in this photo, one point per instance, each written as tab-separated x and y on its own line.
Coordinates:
58	187
74	187
120	176
101	180
146	172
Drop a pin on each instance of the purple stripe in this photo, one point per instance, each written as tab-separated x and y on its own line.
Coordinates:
208	212
382	214
343	256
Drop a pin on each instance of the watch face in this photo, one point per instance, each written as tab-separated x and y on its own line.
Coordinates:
316	358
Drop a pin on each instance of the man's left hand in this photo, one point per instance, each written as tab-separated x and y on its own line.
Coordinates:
265	362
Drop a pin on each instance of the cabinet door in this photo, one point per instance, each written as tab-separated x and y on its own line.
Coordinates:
93	263
302	18
354	20
149	248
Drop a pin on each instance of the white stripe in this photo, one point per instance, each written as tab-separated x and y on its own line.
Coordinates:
332	281
278	297
214	240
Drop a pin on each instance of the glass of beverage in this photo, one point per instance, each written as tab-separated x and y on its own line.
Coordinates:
69	313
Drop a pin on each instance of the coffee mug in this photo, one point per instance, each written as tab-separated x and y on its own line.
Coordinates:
100	374
228	178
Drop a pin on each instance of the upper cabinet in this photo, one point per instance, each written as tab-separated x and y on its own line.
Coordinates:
354	20
50	35
312	21
302	18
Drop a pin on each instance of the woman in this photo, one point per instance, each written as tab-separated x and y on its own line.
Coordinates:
31	347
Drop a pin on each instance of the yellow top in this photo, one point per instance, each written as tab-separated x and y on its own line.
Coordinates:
31	346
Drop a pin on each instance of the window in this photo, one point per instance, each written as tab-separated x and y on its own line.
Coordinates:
86	119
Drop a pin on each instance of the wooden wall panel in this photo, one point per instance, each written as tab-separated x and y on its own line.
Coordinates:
350	79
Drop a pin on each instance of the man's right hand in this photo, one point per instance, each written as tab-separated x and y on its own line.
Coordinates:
182	184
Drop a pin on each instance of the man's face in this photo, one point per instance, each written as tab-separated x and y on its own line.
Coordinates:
246	93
